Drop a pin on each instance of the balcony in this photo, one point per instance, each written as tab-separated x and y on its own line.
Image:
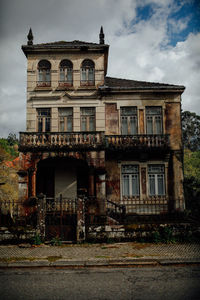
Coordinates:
43	83
140	141
76	141
66	141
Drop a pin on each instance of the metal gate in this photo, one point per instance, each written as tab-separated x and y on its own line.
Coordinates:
61	218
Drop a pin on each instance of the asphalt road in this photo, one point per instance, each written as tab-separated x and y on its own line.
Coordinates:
105	284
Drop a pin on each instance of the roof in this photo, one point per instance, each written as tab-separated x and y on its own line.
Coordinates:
61	45
119	83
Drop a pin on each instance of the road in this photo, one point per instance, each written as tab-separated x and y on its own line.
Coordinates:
154	283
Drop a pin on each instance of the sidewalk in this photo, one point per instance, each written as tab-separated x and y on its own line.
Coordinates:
93	255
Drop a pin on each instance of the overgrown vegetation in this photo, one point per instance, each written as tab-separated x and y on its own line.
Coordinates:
8	170
191	143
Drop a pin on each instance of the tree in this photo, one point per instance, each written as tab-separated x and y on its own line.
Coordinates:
192	181
12	139
191	130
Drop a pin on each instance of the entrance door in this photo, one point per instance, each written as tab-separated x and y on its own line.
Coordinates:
45	179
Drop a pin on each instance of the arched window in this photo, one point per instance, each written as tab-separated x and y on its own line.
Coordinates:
66	73
44	73
87	72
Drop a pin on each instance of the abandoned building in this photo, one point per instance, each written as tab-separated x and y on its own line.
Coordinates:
114	143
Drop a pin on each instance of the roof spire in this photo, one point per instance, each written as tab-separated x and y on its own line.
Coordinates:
101	36
30	37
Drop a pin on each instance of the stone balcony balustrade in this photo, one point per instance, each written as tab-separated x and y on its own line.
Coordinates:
70	141
75	141
137	141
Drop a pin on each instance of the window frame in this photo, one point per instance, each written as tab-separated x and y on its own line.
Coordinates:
44	73
66	68
43	120
66	118
88	118
130	175
157	175
128	116
154	116
87	67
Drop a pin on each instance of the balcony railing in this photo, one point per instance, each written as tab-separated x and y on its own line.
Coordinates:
65	140
89	140
137	141
43	83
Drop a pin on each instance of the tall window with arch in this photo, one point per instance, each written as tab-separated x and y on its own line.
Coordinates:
44	73
87	72
66	73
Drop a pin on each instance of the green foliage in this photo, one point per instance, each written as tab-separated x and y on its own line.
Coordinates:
36	240
192	181
8	149
12	139
163	235
191	130
56	241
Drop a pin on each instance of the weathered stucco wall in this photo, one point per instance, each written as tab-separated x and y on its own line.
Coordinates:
113	181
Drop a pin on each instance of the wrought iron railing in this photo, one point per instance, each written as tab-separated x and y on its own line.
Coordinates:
148	206
115	210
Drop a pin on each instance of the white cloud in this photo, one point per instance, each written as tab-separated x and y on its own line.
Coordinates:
140	51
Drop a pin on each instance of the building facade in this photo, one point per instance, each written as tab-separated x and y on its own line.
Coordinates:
112	140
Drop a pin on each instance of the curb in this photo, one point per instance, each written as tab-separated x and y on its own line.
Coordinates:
97	264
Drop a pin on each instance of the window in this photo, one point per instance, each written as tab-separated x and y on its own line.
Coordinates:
87	72
156	180
154	120
66	73
44	73
130	180
44	119
65	119
87	119
128	120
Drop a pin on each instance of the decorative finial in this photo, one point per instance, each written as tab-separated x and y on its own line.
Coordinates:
30	37
101	36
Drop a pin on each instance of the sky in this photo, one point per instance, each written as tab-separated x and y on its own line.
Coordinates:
150	40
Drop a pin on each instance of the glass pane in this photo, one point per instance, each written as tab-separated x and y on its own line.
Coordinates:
91	124
149	125
91	74
158	125
48	79
135	185
83	75
87	111
155	168
161	186
83	123
47	124
129	169
43	112
69	75
128	111
62	127
133	125
62	75
64	112
40	75
39	124
152	190
125	184
153	110
124	124
69	124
